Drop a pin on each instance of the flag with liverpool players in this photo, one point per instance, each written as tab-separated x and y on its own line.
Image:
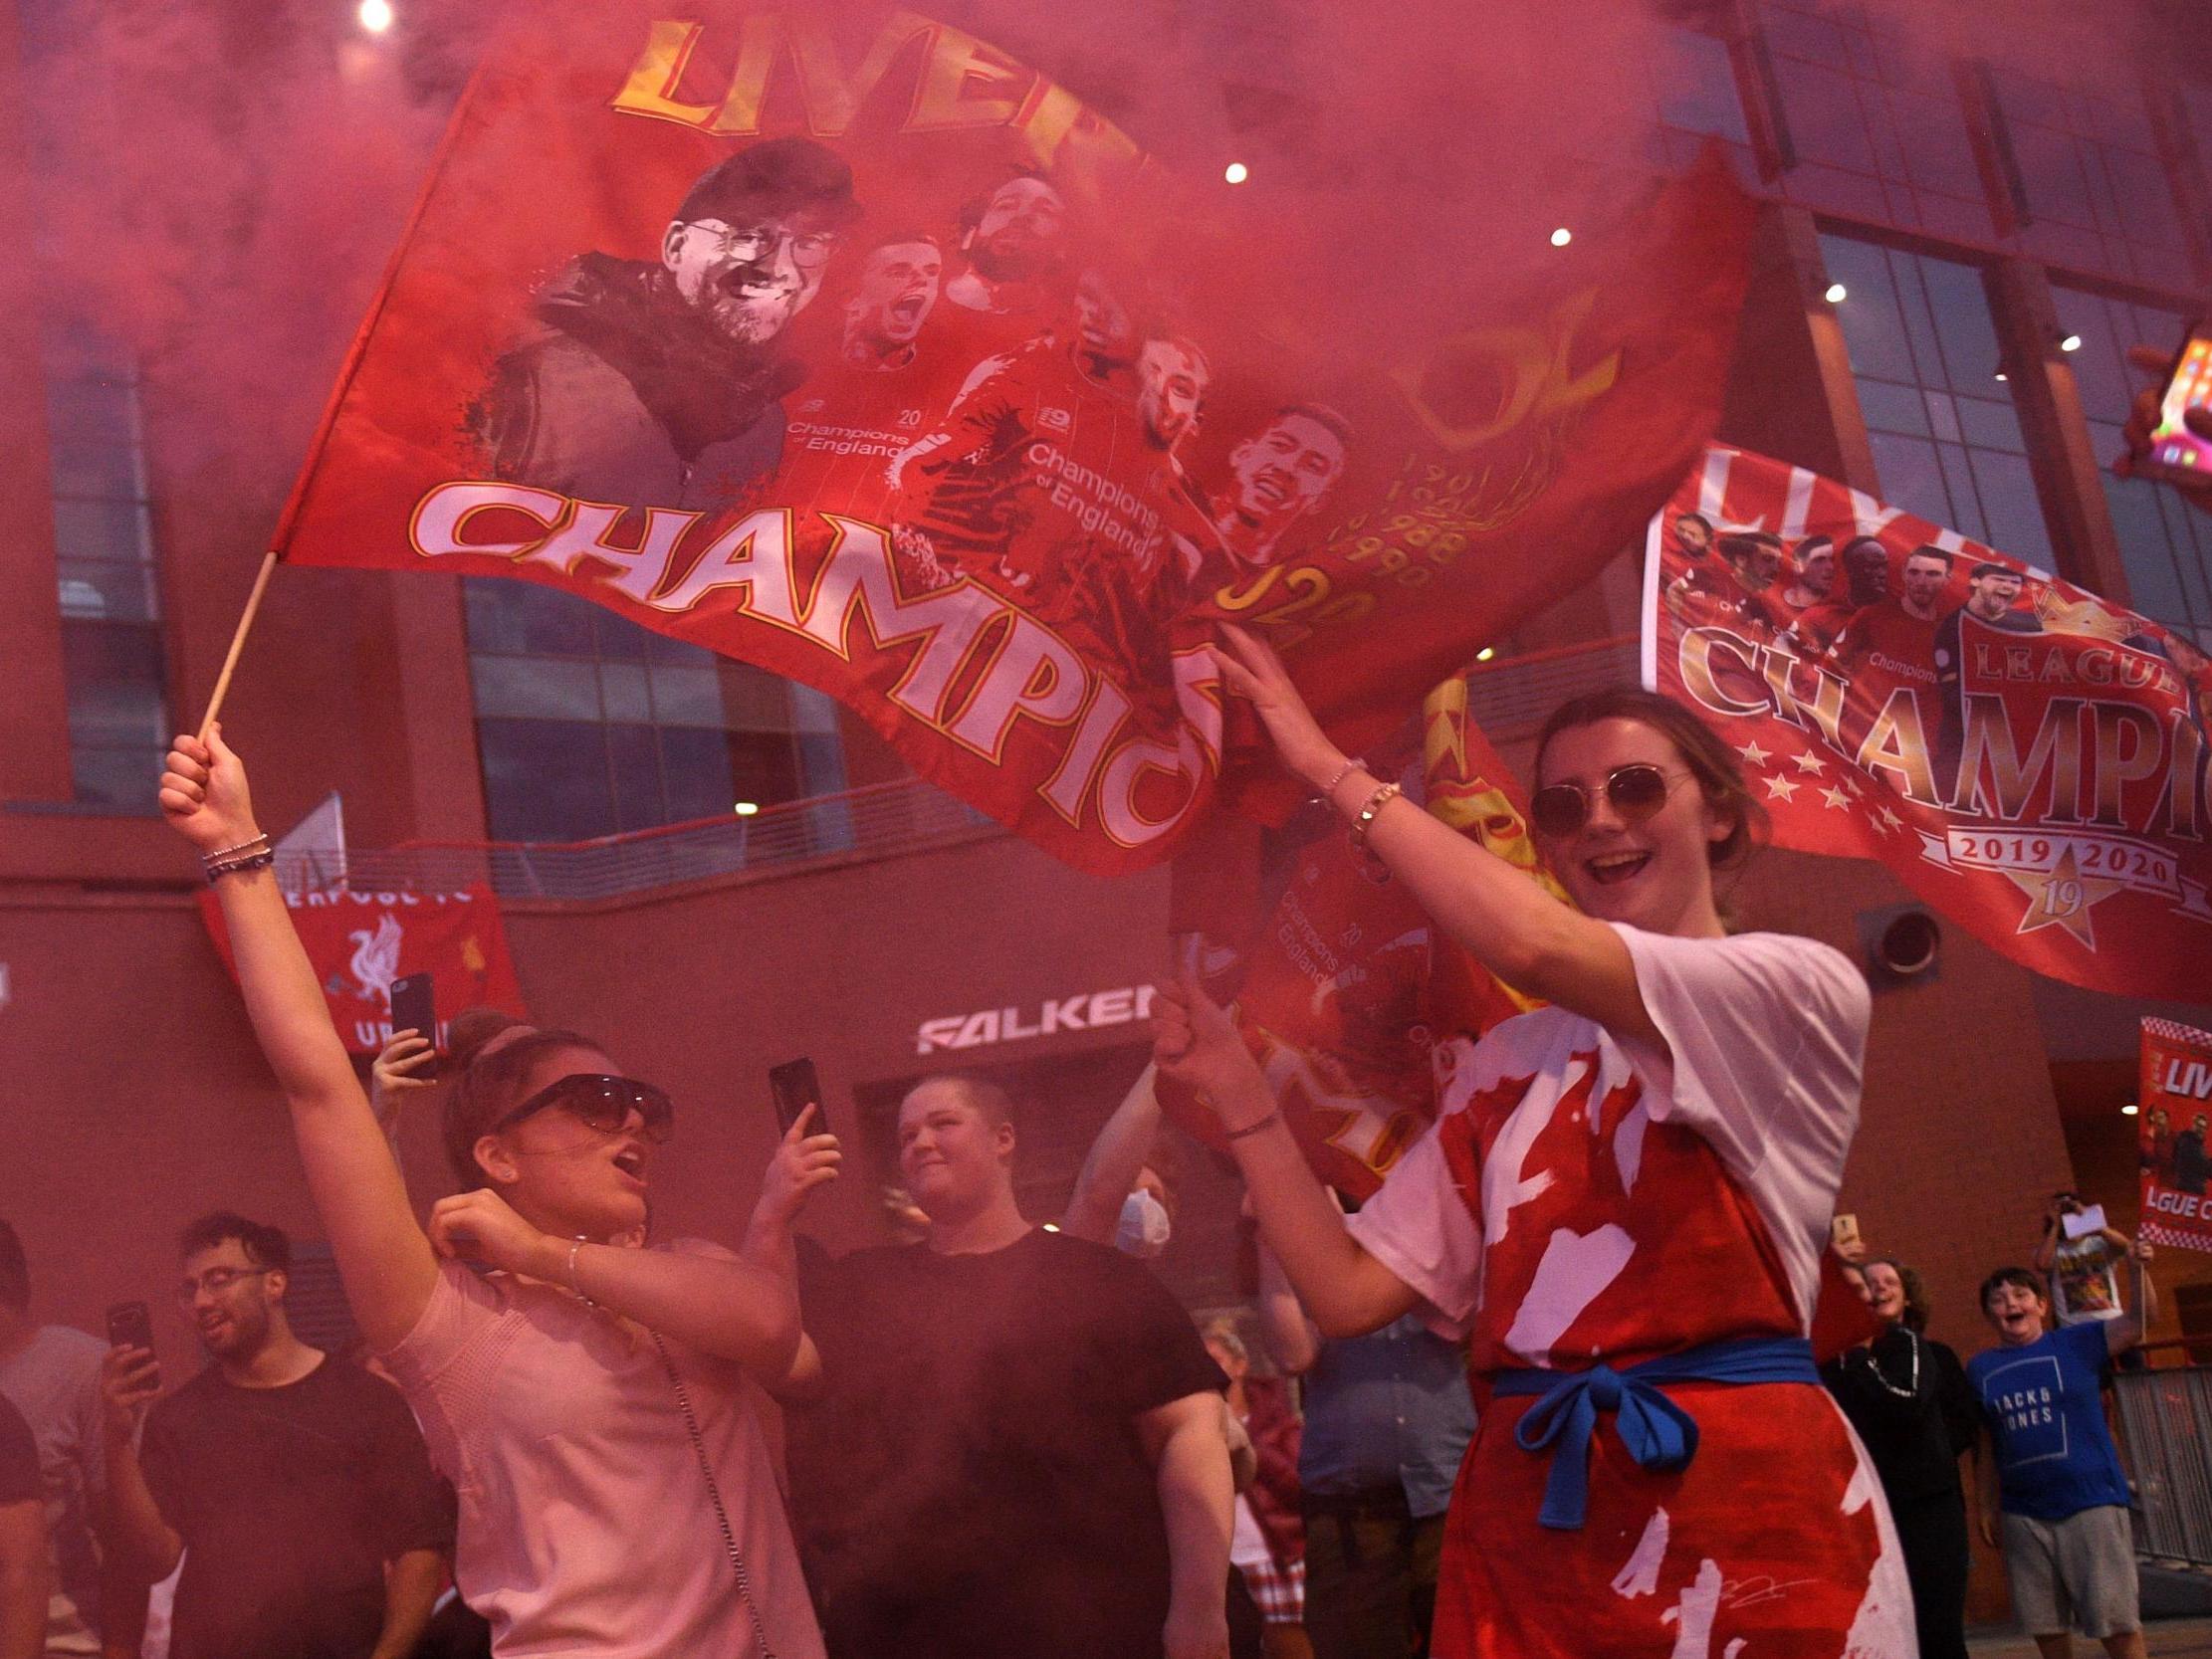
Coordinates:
2028	758
838	341
2173	1126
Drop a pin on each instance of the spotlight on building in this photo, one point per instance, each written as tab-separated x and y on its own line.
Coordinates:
1237	172
1836	293
2072	342
2001	376
1561	236
1900	943
2130	1109
376	15
1485	654
746	809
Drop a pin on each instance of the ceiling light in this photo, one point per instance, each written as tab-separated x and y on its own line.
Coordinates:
2127	1111
1237	172
746	809
2072	342
2000	375
376	15
1485	654
1836	293
1561	236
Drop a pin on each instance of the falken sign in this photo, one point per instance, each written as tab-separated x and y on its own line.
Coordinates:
1084	1011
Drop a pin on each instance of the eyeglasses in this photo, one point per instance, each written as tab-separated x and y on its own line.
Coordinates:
604	1104
810	250
1636	791
215	1281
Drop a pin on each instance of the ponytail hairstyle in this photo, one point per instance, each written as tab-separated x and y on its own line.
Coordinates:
1711	761
488	1057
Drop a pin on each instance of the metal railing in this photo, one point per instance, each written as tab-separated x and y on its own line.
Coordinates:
873	822
1507	699
2166	1420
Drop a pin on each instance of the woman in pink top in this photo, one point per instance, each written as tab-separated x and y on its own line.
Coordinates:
1620	1207
592	1403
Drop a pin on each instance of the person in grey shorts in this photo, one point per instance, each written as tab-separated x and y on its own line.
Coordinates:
2052	1478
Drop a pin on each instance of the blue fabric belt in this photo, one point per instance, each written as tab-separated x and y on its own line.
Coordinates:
1658	1433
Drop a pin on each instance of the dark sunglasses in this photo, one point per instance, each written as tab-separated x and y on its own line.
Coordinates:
602	1103
1636	791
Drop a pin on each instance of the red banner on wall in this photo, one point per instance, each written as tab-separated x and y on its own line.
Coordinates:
2029	759
360	942
1357	1009
2174	1124
883	363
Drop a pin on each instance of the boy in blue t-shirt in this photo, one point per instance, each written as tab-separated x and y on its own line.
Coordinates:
2051	1467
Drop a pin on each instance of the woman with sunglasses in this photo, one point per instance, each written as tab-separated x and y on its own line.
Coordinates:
1621	1207
592	1403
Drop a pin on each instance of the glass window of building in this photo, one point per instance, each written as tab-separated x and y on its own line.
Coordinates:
1694	98
119	722
588	724
1875	121
2165	544
2099	196
1939	417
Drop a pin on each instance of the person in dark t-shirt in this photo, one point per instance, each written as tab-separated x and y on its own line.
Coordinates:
1015	1441
295	1484
22	1540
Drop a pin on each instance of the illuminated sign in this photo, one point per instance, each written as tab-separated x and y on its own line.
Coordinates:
1085	1011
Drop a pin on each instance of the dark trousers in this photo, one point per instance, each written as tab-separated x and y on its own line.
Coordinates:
1932	1534
1370	1576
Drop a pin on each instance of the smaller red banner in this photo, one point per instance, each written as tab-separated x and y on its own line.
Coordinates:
2172	1114
360	942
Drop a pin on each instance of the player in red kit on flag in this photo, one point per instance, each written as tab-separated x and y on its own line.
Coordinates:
857	412
1866	582
1013	260
1278	477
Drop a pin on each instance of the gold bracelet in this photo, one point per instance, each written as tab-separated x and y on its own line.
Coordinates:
1365	819
575	1290
1328	789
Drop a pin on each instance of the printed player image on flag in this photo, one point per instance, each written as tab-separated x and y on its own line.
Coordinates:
2173	1124
844	345
2029	759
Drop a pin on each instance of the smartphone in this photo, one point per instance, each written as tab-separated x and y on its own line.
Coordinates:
1842	1232
2175	450
414	1008
794	1085
130	1325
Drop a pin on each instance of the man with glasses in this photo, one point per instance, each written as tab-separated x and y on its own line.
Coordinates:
657	383
294	1484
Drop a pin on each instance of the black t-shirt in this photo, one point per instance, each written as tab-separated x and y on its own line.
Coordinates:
973	1483
1915	1435
19	1459
289	1502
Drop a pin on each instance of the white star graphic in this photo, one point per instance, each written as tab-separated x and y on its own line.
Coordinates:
1888	819
1779	788
1753	755
1836	797
1851	786
1807	764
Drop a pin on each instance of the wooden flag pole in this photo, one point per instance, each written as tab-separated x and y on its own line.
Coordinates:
237	644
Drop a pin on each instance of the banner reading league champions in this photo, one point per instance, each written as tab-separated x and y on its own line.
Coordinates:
2029	759
844	345
2173	1121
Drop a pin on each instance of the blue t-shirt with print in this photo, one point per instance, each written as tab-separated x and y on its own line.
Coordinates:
2042	1400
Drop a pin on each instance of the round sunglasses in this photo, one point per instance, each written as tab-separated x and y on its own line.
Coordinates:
1637	790
604	1104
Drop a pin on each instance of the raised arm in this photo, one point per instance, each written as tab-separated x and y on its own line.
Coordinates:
382	1255
804	1161
1536	945
1292	1342
1346	1290
2128	1330
1094	1209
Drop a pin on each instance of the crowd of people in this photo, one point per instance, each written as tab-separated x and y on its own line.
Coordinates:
1559	1389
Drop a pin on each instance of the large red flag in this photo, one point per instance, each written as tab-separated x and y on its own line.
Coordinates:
851	348
2028	758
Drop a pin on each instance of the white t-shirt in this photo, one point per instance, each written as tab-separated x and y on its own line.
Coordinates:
1764	1035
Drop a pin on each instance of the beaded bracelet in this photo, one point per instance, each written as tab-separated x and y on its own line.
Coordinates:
238	865
252	843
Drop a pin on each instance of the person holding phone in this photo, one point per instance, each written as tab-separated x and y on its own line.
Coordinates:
1622	1205
2143	418
291	1482
2082	1265
592	1401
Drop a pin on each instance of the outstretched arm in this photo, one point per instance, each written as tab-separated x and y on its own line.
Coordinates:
1094	1211
1346	1290
382	1256
2128	1330
1536	945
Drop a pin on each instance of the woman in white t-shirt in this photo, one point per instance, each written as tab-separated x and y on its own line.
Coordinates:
592	1403
1621	1206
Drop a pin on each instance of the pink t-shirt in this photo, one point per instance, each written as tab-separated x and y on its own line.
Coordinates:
1581	1197
586	1527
